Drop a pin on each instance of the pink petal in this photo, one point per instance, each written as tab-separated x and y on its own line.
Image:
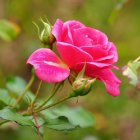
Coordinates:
92	67
57	29
80	38
109	79
62	32
67	36
96	51
73	24
87	36
72	55
112	50
106	58
48	67
68	31
102	53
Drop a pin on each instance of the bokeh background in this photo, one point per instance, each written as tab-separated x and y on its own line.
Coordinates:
116	118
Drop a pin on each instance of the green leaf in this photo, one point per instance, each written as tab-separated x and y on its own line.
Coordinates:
131	71
12	115
67	118
77	116
61	123
6	98
8	30
16	85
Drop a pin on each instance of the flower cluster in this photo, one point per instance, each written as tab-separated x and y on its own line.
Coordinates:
77	46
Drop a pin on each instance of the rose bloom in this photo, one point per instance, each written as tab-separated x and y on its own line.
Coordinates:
77	46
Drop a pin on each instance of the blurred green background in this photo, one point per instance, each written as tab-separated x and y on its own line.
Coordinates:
116	118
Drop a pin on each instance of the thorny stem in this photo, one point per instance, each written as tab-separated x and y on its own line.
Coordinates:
37	126
25	90
51	105
50	97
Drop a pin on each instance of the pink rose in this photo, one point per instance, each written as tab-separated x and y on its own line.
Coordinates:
78	45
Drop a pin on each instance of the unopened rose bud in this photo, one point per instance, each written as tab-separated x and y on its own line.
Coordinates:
46	35
81	87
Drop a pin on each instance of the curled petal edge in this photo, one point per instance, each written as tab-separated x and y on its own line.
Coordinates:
48	66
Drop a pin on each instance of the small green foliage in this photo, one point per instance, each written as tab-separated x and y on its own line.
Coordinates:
65	118
16	85
61	123
131	71
12	115
60	119
6	98
77	116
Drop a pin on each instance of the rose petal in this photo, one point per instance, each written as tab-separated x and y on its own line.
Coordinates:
72	55
91	67
87	36
106	58
81	39
67	36
62	32
109	79
112	50
73	24
57	30
100	53
48	66
68	30
96	51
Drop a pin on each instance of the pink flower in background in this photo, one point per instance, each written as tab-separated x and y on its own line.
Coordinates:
77	45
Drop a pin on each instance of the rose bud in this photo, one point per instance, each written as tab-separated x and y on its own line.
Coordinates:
46	35
82	87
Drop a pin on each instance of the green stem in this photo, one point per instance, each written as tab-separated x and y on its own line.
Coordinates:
25	90
36	94
137	59
50	97
51	105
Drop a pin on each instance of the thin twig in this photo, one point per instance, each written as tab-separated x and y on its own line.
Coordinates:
36	94
25	91
50	97
51	105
